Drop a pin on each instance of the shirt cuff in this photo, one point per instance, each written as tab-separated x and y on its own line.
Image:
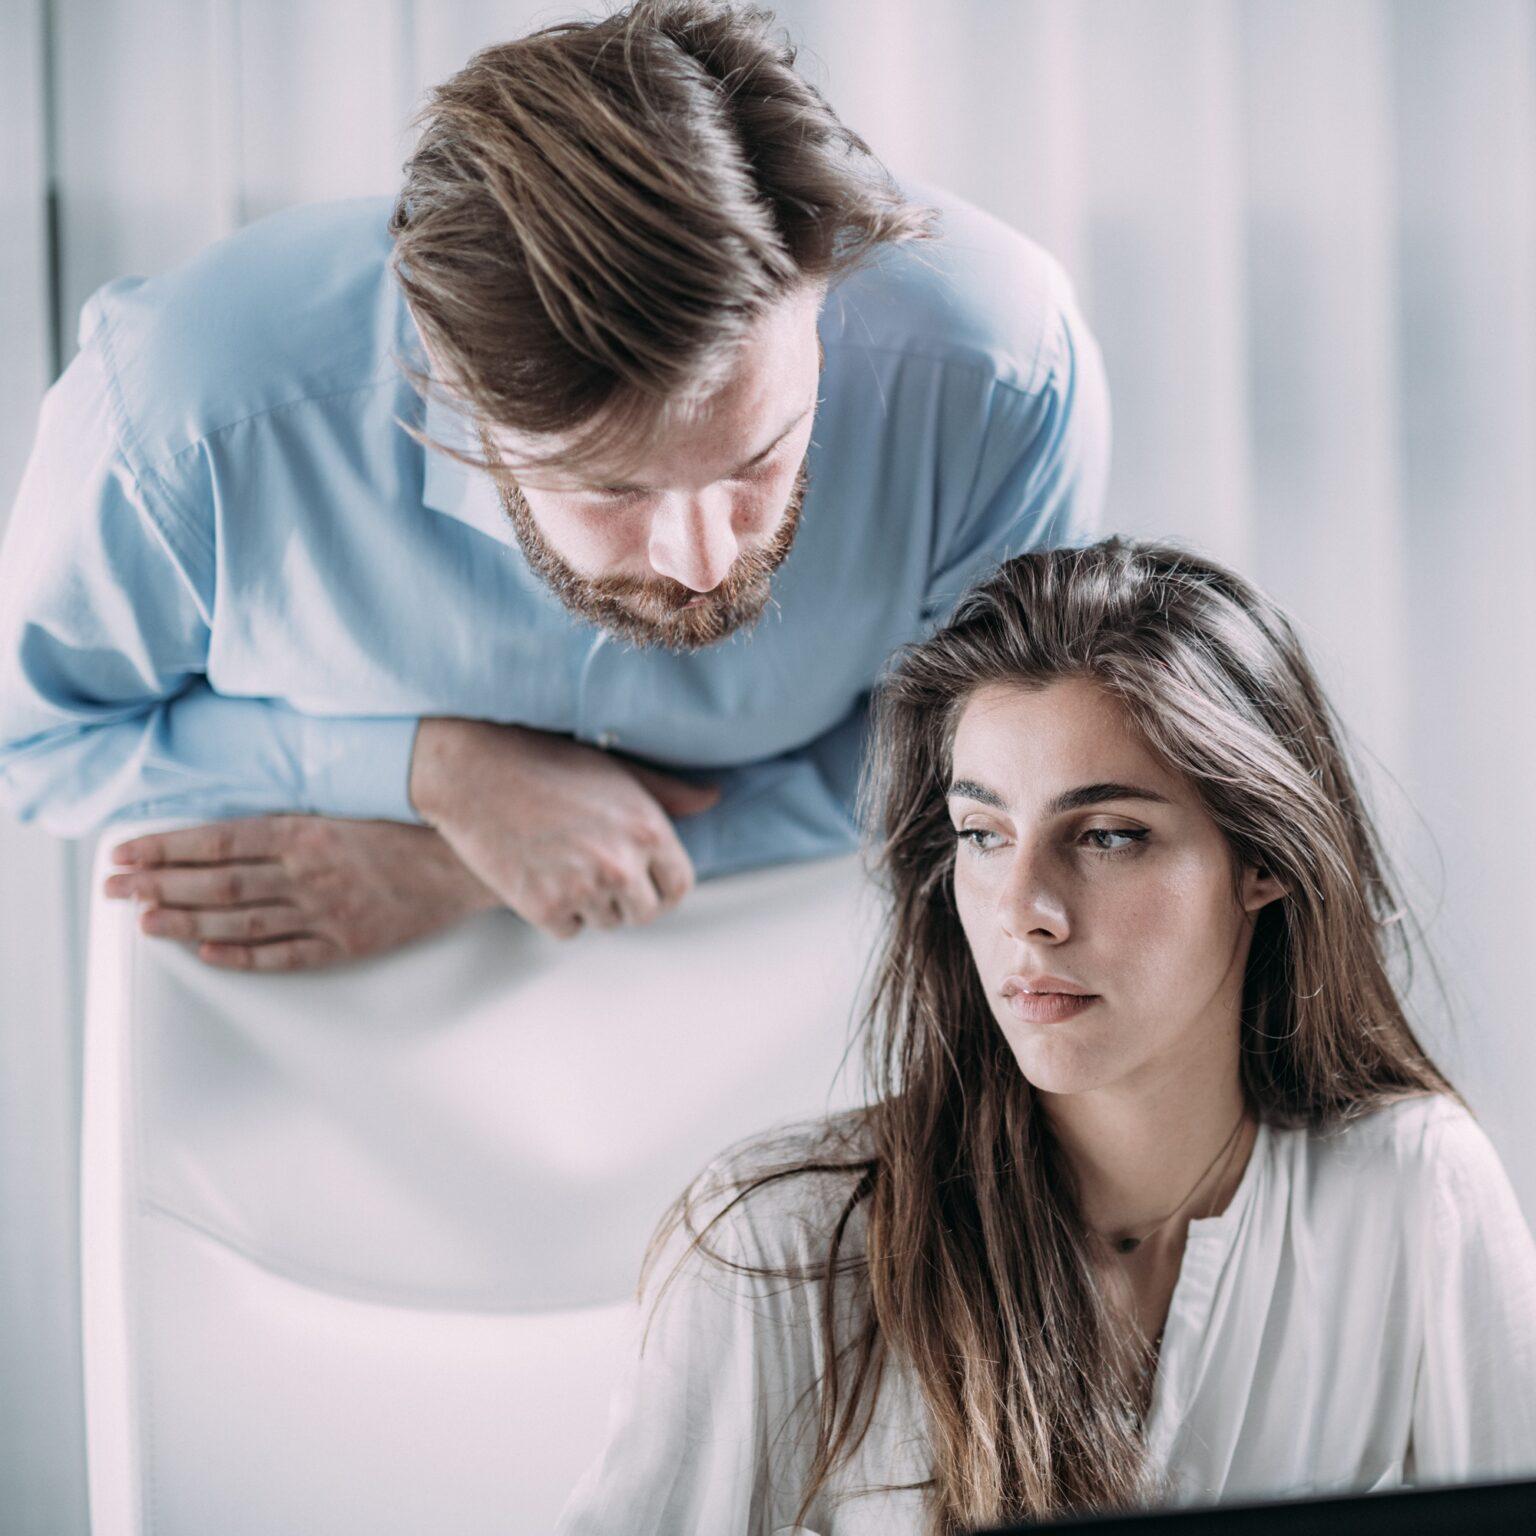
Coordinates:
360	768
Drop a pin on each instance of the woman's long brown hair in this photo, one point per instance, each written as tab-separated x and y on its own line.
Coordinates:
976	1271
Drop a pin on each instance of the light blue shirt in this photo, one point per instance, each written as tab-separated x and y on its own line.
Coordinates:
232	584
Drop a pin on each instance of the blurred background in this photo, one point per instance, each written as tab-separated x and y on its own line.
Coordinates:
1304	233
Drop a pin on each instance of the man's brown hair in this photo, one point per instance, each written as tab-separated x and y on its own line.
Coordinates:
596	214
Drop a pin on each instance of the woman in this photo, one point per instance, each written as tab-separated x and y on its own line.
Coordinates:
1160	1198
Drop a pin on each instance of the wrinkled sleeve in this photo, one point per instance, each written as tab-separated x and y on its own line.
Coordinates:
796	806
1474	1410
1037	481
702	1405
107	593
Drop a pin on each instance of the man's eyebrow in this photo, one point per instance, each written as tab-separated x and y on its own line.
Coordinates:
1067	800
762	453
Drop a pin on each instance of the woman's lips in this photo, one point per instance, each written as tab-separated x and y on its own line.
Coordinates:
1046	1007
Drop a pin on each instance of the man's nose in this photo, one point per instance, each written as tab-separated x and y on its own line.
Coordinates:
692	541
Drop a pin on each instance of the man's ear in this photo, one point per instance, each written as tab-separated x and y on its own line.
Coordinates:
1259	888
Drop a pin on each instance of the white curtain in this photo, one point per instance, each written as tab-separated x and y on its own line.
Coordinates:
1305	234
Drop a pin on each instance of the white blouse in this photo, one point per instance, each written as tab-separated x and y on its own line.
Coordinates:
1363	1314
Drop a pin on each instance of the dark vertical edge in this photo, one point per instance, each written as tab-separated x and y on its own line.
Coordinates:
54	224
76	854
53	218
240	204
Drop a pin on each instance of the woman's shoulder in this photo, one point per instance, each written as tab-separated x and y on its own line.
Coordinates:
1414	1130
784	1194
777	1201
1416	1149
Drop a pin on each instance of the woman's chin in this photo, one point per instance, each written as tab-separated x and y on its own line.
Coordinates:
1054	1063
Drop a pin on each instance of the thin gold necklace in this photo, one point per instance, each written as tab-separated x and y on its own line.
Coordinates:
1131	1244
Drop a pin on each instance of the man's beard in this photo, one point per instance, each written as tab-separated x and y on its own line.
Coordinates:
651	613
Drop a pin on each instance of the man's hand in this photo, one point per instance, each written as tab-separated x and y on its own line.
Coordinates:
565	835
283	893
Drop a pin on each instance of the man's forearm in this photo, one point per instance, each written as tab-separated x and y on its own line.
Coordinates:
198	756
440	770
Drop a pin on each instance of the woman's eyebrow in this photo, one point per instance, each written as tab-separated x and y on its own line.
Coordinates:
1067	800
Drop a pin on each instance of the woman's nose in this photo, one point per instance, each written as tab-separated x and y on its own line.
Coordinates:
1030	902
694	543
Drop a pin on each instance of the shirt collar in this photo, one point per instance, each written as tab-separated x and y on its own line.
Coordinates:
454	488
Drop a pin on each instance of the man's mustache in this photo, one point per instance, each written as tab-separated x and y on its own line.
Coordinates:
667	596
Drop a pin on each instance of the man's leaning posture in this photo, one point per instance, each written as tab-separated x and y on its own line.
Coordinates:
534	539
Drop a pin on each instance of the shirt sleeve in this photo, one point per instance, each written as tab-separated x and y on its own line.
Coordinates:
800	805
107	593
1474	1409
700	1407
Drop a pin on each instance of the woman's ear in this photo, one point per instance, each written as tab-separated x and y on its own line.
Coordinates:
1259	888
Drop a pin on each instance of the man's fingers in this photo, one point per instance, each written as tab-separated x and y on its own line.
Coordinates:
219	885
604	913
253	924
672	875
635	903
303	953
626	897
254	837
640	902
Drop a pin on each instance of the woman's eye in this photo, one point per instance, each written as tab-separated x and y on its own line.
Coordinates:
1134	838
985	840
976	837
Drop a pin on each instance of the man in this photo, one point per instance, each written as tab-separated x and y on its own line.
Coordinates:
715	418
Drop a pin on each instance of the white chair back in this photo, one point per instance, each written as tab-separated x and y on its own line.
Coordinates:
359	1244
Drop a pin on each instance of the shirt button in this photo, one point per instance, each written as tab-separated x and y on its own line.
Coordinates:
606	739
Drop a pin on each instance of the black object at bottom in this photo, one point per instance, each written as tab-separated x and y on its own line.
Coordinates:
1472	1509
